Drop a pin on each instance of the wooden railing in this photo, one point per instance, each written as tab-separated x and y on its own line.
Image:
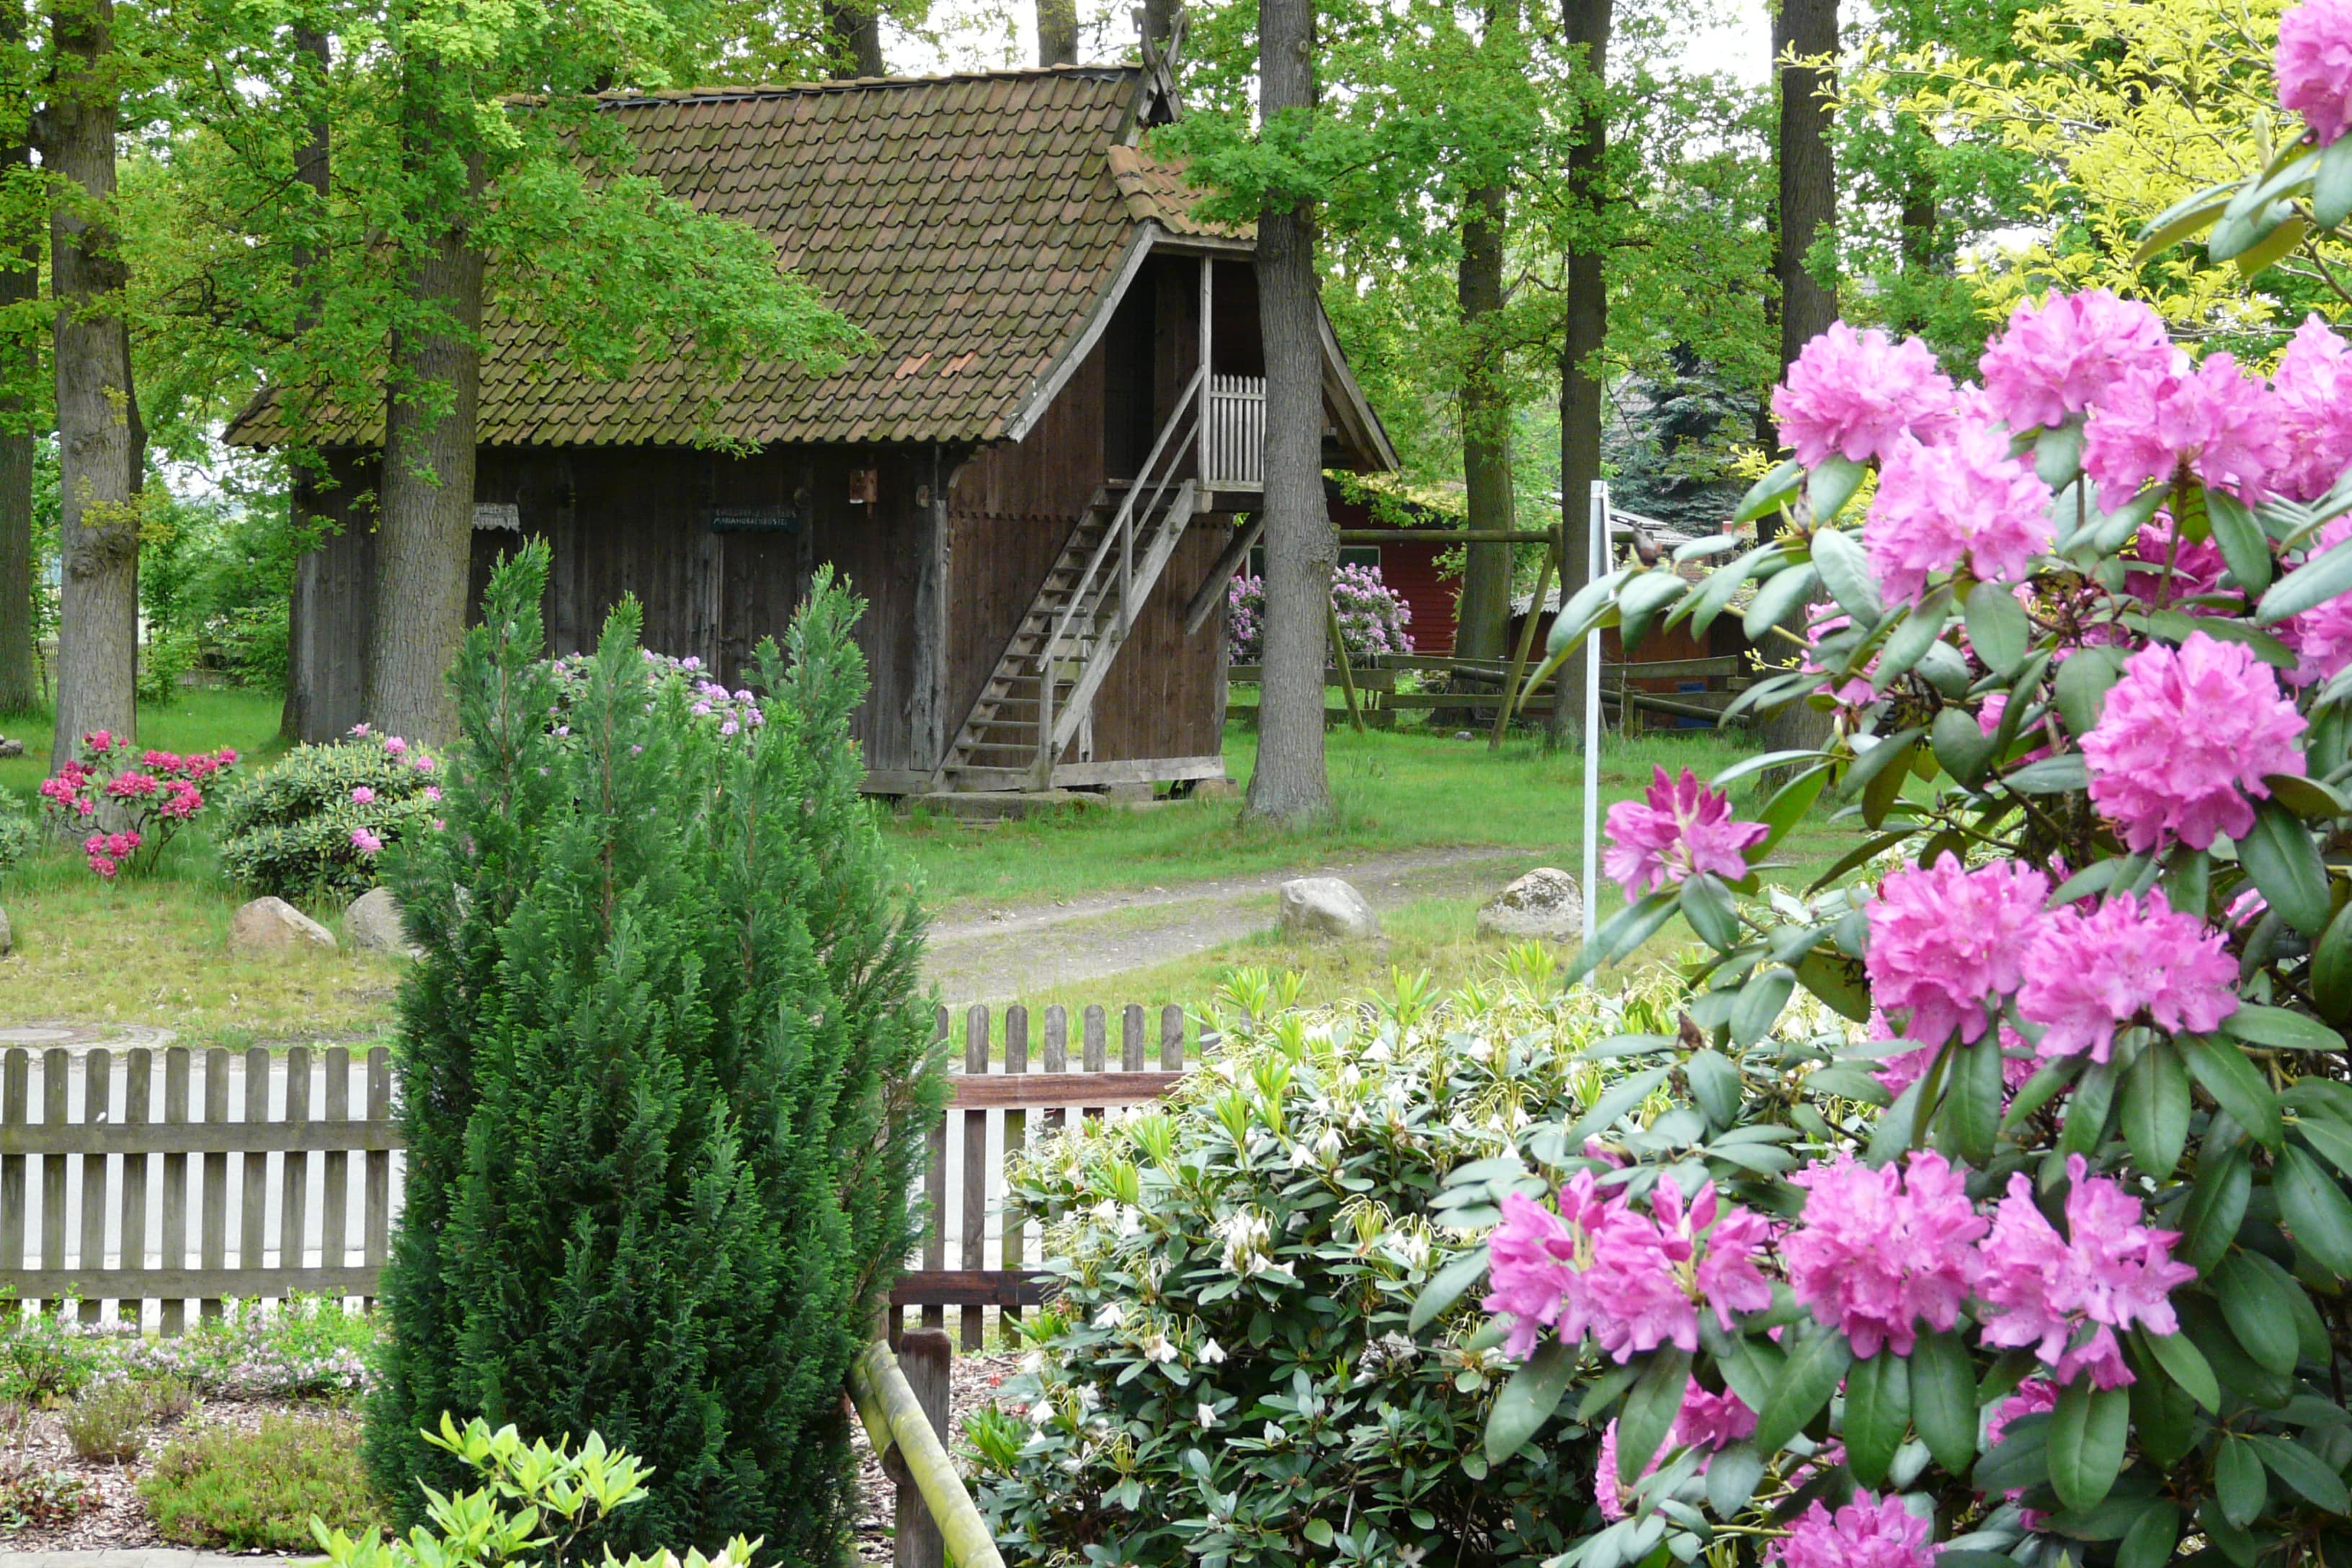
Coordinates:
1477	685
1235	450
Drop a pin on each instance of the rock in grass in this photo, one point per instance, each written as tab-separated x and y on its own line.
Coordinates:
1327	907
372	923
273	925
7	938
1545	904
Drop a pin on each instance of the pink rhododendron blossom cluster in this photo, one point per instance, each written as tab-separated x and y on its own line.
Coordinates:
150	795
1964	501
2057	357
107	851
2162	569
2064	1297
1944	942
1711	1422
1880	1252
2091	970
2214	419
1867	1532
2185	737
365	842
2313	386
1850	394
1680	827
1633	1282
2314	67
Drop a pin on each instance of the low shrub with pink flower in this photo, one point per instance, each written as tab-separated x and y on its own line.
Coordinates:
1373	617
313	826
131	801
2026	1132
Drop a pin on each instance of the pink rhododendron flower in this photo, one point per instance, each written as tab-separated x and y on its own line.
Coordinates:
2215	419
2034	1396
1683	827
1868	1533
2089	971
2185	737
365	842
421	762
1880	1251
2312	389
2110	1271
394	744
1897	1073
2056	358
1532	1266
1946	941
1964	499
1851	393
1856	691
433	793
99	741
2160	570
2322	636
1712	1420
363	795
1608	1493
2314	67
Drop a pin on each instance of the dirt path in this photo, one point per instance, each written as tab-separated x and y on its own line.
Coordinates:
1017	950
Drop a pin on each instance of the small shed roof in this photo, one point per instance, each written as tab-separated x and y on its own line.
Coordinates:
973	225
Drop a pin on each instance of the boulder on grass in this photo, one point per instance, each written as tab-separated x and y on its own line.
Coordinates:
273	925
373	922
1545	905
1327	907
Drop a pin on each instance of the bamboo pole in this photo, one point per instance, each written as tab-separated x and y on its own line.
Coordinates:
1519	660
895	1422
1339	659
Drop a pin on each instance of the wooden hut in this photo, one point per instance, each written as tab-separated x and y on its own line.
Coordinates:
1031	477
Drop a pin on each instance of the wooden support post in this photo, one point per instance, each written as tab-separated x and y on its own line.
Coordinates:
923	1356
1339	659
1519	658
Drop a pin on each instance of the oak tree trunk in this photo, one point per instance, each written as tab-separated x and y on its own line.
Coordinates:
1808	192
854	36
1289	784
19	684
310	170
425	535
1160	19
1483	612
98	436
1057	32
1586	25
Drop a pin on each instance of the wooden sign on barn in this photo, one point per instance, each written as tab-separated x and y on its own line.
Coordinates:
1030	478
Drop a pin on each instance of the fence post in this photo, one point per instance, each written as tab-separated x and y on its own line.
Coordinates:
923	1356
971	1253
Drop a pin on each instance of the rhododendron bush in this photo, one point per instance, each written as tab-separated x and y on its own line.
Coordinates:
124	806
2004	1216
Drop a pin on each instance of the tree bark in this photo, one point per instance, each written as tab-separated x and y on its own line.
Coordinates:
97	437
1057	32
854	34
425	532
19	684
1808	203
1586	24
1482	614
311	169
1289	784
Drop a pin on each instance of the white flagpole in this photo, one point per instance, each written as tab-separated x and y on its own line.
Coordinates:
1599	553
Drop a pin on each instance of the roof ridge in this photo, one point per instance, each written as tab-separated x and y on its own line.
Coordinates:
1097	70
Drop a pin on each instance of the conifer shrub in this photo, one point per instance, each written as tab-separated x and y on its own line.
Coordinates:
665	1076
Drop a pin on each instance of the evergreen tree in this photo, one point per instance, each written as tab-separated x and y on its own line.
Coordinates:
665	1075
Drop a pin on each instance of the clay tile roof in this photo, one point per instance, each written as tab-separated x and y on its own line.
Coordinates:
969	224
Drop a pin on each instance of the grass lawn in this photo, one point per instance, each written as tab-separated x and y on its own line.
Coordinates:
156	950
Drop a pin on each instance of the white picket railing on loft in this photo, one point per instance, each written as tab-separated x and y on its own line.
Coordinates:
1235	458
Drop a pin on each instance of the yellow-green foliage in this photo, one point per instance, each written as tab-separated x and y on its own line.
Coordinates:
257	1492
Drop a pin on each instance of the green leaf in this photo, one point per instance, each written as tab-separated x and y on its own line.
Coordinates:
2278	854
2185	1366
1721	584
1583	609
2331	187
1891	751
1998	628
1655	1399
2149	1541
1844	567
2256	1304
2315	1210
2280	1028
2273	245
1788	804
2239	1482
1909	643
2086	1442
1972	1100
1943	1399
2217	1206
2330	1138
1707	904
2314	800
2325	576
1445	1288
1772	492
1731	1477
1615	1101
2061	774
1642	597
2305	1471
1810	1375
1829	487
1846	1082
2087	1110
2040	1091
2186	216
2155	1110
2244	546
2020	1459
1761	1004
1782	595
2057	460
2080	688
2236	1086
1714	1083
1624	931
1528	1401
1961	745
1837	980
1877	1412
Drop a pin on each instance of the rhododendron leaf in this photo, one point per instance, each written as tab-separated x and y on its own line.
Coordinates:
2149	1541
2086	1112
2058	455
1622	932
1651	1406
1971	1110
2277	242
2217	1206
1782	594
2184	217
2155	1110
2303	1470
1584	607
1944	1398
2315	1210
2312	799
1616	1101
1878	799
1604	1389
1816	1364
2061	774
1892	752
1893	1132
1998	629
2330	1138
2081	687
1838	981
1965	750
2096	878
1769	493
2185	1364
1847	572
2086	1442
2256	1303
1446	1287
1639	601
1731	1477
2238	1483
1910	641
2233	237
2282	1028
2331	185
1528	1399
1707	904
2324	576
1721	584
1757	764
1830	486
2176	626
2244	545
1788	804
1846	1083
1761	1000
1877	1414
2278	854
1716	1084
2020	1459
2223	1072
2040	1091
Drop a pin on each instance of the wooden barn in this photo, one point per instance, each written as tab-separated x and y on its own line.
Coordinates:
1031	479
